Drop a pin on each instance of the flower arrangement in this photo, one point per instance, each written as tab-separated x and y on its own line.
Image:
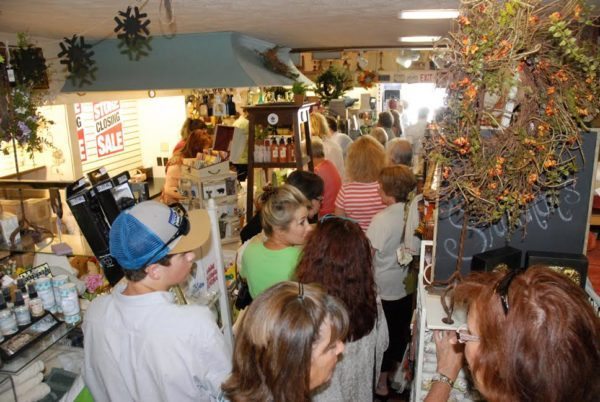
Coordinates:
23	122
332	83
367	78
521	69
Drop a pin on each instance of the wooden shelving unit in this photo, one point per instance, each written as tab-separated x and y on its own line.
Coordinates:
287	115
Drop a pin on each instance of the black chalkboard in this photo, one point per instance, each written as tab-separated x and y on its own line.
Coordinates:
563	230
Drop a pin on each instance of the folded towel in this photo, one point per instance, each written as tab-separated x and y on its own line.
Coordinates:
35	394
31	371
8	395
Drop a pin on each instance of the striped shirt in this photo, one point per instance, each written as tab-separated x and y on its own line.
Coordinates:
360	201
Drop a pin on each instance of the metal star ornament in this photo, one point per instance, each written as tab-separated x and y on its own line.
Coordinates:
77	56
132	28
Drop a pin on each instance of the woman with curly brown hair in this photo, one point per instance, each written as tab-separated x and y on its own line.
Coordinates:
287	345
530	336
338	256
359	198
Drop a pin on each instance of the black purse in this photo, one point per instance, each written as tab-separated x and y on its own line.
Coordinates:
243	298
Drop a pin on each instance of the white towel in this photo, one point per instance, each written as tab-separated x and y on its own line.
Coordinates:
31	371
35	394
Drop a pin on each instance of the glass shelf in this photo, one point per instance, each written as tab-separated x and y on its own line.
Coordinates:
78	244
36	350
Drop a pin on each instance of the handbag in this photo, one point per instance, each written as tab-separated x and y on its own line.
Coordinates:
243	298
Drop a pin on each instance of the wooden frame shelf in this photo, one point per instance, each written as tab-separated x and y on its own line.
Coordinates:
288	115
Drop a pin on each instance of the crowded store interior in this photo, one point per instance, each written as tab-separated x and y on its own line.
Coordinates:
328	201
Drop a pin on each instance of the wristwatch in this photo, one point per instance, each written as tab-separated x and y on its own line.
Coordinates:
439	377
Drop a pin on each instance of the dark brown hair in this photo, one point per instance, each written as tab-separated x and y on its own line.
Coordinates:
546	348
337	256
136	275
397	181
273	346
196	142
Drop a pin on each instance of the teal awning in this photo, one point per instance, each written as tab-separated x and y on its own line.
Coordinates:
203	60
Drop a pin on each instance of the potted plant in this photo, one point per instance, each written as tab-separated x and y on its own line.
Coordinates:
299	90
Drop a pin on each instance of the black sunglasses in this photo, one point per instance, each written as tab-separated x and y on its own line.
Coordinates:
183	228
503	285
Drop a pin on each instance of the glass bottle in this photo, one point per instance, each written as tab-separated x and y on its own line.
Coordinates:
21	310
35	303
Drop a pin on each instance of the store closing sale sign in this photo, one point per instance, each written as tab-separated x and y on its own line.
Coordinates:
109	131
80	133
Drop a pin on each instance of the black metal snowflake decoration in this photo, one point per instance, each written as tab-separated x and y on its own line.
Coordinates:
78	59
132	28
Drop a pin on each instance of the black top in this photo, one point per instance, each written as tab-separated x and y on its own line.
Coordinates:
252	228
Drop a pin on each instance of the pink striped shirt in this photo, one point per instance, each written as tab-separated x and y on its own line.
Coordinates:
360	201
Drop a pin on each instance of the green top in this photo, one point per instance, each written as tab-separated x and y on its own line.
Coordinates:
263	268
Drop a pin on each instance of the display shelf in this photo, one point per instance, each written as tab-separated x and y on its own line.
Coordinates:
286	114
78	244
34	351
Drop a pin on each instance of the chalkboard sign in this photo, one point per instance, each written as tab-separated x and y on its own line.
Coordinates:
563	230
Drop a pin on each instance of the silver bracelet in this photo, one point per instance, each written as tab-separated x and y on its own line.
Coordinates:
439	377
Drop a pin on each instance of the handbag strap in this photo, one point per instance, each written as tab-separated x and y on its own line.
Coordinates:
409	200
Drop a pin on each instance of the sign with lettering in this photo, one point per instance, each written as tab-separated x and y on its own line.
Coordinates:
80	133
109	131
562	229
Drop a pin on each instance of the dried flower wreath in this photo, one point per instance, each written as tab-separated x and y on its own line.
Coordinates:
522	84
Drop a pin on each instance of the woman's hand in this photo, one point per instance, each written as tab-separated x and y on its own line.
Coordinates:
449	353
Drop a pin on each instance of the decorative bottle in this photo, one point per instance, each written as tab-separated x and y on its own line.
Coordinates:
21	310
35	303
283	155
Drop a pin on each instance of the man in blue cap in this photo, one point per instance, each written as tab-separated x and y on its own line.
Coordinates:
139	345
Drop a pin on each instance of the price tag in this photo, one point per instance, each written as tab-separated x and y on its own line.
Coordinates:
273	119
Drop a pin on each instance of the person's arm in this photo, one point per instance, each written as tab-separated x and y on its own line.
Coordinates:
449	362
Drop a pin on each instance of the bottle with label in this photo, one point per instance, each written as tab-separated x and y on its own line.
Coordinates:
21	310
21	286
8	321
267	151
283	155
35	303
7	297
291	150
274	150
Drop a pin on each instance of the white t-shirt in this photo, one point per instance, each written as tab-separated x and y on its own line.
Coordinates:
415	134
343	140
146	348
334	153
385	234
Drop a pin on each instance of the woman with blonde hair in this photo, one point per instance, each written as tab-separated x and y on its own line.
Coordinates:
359	197
287	345
333	152
284	217
379	134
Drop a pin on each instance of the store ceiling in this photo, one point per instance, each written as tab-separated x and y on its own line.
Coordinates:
299	24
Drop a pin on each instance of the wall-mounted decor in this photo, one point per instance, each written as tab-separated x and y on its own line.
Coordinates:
133	32
77	56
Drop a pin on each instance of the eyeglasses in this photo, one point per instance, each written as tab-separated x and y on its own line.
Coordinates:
502	287
463	335
327	217
183	228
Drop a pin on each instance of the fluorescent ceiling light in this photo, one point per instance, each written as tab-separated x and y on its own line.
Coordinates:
427	14
417	39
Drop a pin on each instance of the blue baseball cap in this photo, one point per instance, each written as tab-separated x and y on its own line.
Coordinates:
150	230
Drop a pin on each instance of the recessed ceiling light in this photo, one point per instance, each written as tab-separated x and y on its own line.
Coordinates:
427	14
417	39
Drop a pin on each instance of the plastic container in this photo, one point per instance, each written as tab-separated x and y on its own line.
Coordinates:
43	286
70	303
57	282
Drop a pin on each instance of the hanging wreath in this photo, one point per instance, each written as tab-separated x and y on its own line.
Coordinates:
332	83
367	78
77	56
132	30
29	63
271	61
520	68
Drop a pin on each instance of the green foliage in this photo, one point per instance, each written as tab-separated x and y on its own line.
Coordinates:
332	83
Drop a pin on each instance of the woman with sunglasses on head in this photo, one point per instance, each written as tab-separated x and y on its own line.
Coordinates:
287	345
530	336
337	256
267	261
